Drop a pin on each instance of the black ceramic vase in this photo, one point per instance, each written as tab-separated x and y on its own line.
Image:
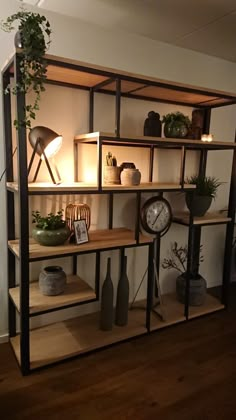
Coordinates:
122	300
106	318
152	125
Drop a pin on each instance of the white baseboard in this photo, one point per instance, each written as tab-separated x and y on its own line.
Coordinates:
4	338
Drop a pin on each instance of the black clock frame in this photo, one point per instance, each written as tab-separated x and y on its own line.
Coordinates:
144	214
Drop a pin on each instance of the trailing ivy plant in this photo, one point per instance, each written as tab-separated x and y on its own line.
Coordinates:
35	32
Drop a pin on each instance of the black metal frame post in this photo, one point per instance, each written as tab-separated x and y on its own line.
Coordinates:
150	279
23	227
91	110
151	159
229	234
99	163
182	166
118	101
10	200
137	220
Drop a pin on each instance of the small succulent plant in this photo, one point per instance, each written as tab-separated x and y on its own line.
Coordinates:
111	160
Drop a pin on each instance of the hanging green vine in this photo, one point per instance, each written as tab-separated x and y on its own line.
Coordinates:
35	34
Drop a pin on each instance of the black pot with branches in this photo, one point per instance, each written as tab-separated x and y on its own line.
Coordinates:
178	261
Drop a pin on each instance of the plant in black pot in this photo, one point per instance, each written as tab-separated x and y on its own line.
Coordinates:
33	40
197	284
199	200
50	230
176	124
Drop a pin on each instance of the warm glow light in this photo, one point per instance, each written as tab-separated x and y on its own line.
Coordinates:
207	137
53	147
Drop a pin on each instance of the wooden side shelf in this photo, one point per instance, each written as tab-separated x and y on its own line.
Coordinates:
98	240
172	312
77	291
212	304
77	187
79	335
207	219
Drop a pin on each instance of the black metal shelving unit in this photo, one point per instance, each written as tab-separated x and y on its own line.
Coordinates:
119	85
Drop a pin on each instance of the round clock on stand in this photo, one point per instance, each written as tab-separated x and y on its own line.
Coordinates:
156	218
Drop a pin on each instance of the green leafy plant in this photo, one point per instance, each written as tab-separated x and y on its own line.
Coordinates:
176	117
111	160
49	222
205	185
35	32
178	259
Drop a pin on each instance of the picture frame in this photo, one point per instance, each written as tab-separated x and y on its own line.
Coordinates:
81	232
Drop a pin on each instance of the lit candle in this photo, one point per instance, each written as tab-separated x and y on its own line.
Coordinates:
204	137
209	137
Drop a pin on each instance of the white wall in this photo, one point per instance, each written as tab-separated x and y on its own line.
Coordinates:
74	39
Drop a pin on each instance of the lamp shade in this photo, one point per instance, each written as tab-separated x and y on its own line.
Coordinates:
49	141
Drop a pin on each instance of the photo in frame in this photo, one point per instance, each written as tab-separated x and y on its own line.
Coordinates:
81	232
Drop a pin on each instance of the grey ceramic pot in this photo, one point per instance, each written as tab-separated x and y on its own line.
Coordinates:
197	290
51	237
197	204
52	281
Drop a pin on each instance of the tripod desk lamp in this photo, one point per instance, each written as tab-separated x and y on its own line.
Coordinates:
45	143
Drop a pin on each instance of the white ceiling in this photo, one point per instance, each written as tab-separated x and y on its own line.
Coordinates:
207	26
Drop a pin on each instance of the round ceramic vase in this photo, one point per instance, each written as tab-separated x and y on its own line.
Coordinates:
130	177
51	237
52	281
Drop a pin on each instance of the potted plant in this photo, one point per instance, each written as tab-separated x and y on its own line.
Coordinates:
176	124
50	230
199	200
111	170
197	284
33	38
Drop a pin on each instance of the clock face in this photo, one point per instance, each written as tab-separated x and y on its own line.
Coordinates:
156	215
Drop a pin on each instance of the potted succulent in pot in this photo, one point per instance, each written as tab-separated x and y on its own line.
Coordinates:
33	39
111	170
176	124
199	200
197	284
50	230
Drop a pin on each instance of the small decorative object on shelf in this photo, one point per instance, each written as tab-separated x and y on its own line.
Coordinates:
152	125
52	281
125	165
156	216
130	177
122	299
50	230
33	37
111	170
81	233
199	200
77	212
176	125
107	311
197	284
197	123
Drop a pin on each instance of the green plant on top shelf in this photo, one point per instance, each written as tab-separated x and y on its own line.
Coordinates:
49	222
205	185
111	160
176	124
176	117
33	39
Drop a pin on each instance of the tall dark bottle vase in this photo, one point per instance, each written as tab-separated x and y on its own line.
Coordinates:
106	319
122	300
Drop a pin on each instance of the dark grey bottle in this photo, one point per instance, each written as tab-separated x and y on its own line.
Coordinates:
122	300
106	319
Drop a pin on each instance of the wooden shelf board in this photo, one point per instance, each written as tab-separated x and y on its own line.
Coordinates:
208	218
76	291
98	240
172	312
50	187
212	304
39	187
156	141
79	335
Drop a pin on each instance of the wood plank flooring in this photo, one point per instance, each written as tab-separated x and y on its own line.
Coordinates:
186	372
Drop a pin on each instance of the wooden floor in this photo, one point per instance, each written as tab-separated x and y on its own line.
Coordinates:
186	372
